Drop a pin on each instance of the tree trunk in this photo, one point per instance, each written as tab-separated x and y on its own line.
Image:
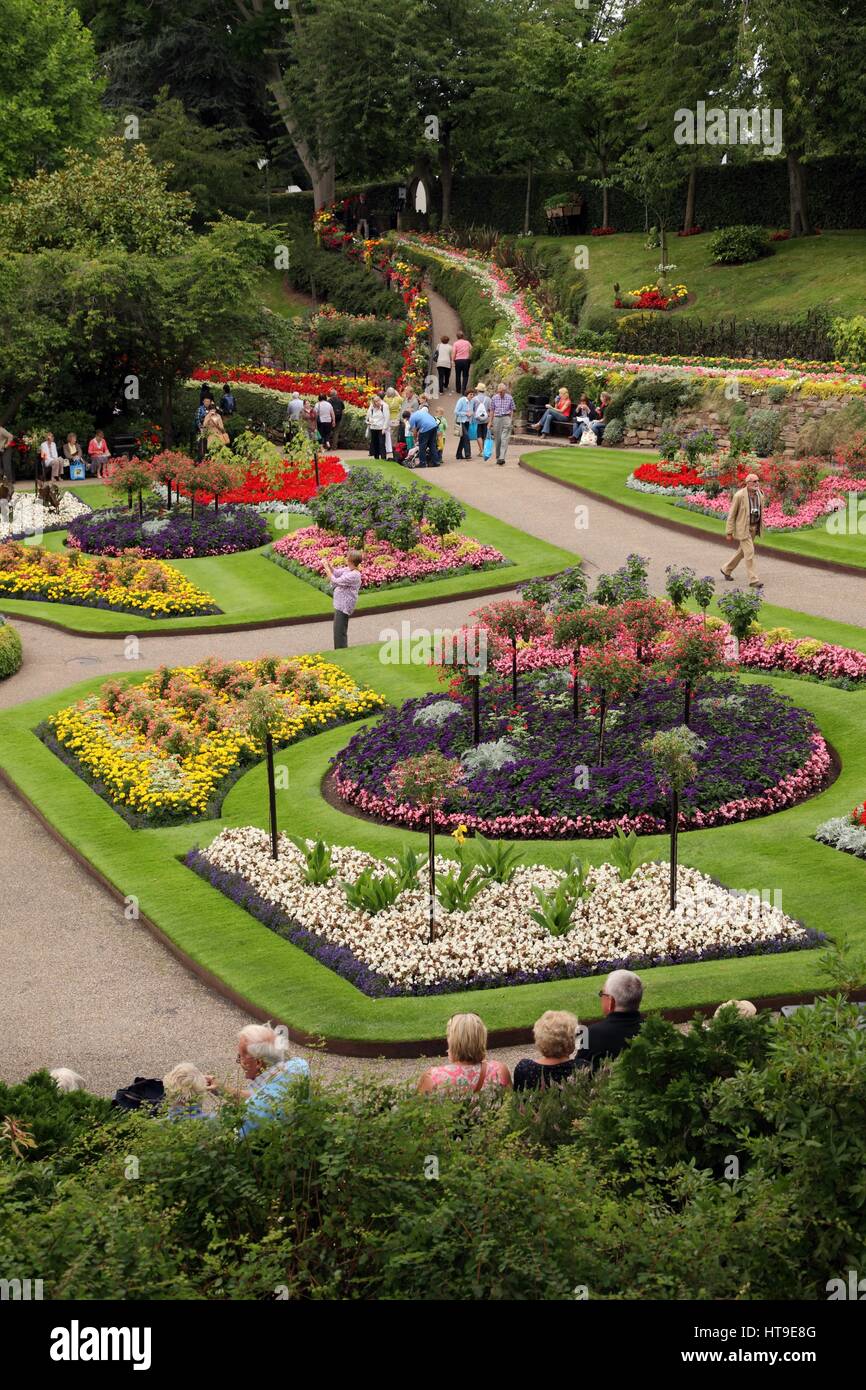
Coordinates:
528	203
675	815
688	705
431	846
575	689
602	714
514	671
140	506
272	794
799	214
446	171
605	204
165	414
476	710
689	219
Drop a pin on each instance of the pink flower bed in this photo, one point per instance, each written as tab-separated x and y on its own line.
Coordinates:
530	825
383	563
829	496
830	662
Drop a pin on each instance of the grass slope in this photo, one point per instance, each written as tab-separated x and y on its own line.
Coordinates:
251	589
819	885
605	471
828	272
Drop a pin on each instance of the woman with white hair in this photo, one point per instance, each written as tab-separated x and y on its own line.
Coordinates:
264	1058
66	1080
555	1035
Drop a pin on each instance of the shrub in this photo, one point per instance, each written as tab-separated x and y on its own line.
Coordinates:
640	414
765	431
849	339
736	245
834	431
613	432
10	650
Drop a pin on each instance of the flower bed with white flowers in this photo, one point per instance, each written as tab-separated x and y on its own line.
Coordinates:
24	515
496	942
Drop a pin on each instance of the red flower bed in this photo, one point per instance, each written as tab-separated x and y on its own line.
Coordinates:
651	300
298	484
305	383
668	475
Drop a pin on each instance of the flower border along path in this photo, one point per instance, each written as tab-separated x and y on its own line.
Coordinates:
272	978
603	473
251	592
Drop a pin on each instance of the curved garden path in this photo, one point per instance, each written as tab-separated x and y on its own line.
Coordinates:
84	988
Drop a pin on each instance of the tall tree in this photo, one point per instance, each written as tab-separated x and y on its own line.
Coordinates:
50	86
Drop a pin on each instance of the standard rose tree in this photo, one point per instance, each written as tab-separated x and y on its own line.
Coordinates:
511	623
426	781
128	477
692	657
674	753
612	675
263	713
584	627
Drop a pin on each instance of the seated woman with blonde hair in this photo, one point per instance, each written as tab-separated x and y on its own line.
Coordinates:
467	1067
185	1087
555	1036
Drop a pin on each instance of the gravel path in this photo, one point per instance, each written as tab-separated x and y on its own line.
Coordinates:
86	989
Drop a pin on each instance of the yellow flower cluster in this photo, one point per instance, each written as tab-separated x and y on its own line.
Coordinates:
161	749
149	587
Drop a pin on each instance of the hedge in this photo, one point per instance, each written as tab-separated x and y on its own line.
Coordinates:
11	653
805	337
349	286
617	1185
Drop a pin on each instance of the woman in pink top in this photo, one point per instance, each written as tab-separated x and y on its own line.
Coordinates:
98	452
461	353
467	1066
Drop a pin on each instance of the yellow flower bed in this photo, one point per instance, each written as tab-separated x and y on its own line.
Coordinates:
128	584
162	748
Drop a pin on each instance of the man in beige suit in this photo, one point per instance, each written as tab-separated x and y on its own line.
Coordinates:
743	525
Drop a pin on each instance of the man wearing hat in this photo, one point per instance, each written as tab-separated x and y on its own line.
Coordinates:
743	525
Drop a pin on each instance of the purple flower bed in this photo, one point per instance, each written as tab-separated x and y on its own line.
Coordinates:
344	963
173	536
761	753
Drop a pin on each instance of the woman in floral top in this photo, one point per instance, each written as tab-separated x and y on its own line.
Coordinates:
467	1066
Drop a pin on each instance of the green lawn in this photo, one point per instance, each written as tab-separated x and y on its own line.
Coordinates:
604	472
826	272
277	295
252	590
820	886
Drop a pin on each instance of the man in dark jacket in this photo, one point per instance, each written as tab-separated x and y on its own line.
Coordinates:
620	1003
339	407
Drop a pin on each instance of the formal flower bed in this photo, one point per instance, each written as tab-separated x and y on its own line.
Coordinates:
831	495
168	748
24	515
791	501
780	650
352	390
846	833
651	297
169	536
536	773
132	584
297	484
496	941
304	553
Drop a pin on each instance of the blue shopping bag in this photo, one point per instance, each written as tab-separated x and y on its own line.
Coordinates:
76	472
488	447
473	429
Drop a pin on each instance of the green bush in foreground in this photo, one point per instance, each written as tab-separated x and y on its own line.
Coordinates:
725	1162
10	650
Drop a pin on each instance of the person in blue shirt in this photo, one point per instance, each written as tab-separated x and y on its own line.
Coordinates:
425	427
463	413
228	405
270	1072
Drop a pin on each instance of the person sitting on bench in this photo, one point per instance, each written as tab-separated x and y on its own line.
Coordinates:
560	411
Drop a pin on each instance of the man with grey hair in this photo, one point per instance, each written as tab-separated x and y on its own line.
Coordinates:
263	1057
620	1003
745	519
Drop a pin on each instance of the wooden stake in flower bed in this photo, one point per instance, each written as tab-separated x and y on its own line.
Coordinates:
425	781
673	752
476	709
